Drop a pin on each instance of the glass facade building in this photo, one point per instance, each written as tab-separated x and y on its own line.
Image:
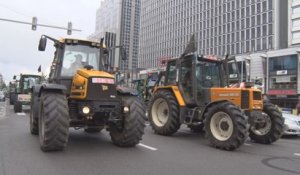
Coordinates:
220	26
122	18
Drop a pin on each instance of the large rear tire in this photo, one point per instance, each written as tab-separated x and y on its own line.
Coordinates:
164	113
34	112
225	126
17	106
53	121
273	128
133	124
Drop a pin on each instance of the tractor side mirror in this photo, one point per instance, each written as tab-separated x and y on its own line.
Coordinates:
43	43
14	77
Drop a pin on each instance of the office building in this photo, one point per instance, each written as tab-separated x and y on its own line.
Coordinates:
121	18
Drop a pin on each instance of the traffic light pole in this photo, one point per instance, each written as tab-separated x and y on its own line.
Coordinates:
34	25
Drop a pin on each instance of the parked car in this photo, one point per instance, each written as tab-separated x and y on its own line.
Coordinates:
2	96
292	123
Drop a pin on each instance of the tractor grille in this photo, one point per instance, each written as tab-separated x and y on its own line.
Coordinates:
245	99
256	95
98	91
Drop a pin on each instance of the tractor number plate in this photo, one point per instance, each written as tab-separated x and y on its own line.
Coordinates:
103	80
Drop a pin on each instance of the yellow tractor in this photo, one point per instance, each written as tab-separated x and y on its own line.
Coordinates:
81	93
193	91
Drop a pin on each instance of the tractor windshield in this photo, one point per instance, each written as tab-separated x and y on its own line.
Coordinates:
208	75
78	56
30	81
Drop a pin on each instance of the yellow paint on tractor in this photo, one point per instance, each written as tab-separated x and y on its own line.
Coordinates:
234	95
94	73
176	92
80	82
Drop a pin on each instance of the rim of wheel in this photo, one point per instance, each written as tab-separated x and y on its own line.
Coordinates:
264	129
221	126
160	112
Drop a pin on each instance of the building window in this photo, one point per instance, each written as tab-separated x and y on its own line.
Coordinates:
270	42
258	19
253	33
264	6
264	28
296	10
270	29
270	15
253	9
258	44
264	43
296	35
247	22
253	21
288	62
270	4
296	23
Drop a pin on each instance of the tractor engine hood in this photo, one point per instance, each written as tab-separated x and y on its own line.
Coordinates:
93	85
245	98
94	73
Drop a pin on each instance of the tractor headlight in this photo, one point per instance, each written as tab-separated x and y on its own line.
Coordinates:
126	109
86	110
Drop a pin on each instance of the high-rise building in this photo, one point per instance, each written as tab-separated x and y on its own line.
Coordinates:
121	18
220	26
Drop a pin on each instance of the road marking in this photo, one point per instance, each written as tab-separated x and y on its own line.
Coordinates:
148	147
21	113
247	144
297	154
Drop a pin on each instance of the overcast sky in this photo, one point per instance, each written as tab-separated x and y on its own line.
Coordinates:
18	43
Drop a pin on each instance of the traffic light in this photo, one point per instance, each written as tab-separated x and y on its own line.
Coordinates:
34	23
69	28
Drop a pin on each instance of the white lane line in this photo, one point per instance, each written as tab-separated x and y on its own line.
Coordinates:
148	147
21	113
247	144
297	154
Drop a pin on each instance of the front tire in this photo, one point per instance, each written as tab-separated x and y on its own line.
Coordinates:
53	121
34	122
133	124
164	113
225	126
17	106
273	127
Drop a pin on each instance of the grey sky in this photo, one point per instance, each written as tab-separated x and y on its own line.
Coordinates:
18	43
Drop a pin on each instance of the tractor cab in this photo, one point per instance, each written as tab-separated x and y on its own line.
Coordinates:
72	56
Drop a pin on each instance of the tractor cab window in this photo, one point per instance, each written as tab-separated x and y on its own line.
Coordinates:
171	73
29	82
78	56
186	83
208	75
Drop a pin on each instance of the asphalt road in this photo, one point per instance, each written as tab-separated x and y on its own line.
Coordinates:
185	153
